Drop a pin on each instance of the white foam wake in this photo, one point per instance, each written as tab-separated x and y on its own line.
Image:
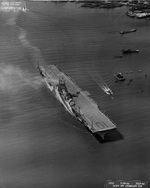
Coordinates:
100	82
96	77
107	90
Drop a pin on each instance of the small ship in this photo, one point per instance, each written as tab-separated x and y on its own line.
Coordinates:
129	51
76	102
119	76
126	32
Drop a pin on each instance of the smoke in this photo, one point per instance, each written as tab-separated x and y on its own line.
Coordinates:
22	38
37	56
11	21
13	79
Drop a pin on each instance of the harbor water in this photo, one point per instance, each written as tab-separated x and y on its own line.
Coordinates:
41	144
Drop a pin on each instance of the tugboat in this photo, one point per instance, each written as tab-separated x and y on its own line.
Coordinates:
119	76
129	51
130	31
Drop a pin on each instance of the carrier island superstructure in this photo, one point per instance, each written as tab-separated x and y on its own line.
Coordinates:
76	102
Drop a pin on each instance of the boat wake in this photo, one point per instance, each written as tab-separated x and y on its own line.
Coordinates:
96	77
108	91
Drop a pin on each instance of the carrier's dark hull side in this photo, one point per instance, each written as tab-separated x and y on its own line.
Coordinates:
80	105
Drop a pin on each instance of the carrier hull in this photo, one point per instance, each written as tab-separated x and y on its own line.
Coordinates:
76	102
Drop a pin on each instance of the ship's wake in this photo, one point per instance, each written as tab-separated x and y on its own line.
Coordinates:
107	90
96	77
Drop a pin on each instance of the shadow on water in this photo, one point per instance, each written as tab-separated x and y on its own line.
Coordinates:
110	136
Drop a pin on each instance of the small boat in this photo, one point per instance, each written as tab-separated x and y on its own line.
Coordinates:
130	31
129	51
119	76
108	91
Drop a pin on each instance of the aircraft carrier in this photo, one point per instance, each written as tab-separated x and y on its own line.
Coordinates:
76	102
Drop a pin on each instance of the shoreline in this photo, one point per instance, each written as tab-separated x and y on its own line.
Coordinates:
137	9
110	4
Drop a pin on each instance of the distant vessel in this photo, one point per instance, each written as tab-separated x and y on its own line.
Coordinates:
130	31
119	76
76	102
129	51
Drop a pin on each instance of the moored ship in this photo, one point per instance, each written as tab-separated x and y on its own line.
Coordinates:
129	51
76	102
126	32
119	76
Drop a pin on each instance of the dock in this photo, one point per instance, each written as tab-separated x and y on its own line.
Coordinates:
93	117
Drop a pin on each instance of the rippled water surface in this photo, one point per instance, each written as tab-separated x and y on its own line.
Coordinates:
41	145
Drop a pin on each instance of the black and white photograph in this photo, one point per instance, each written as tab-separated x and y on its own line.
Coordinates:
74	93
